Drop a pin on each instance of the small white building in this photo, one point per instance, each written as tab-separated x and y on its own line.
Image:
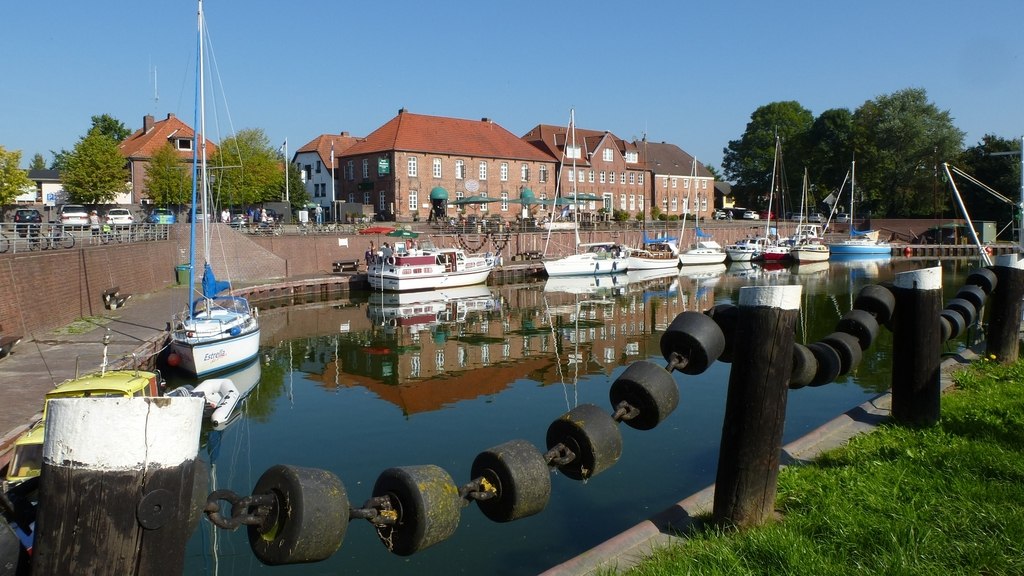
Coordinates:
314	160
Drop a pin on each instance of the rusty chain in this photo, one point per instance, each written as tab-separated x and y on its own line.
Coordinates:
249	510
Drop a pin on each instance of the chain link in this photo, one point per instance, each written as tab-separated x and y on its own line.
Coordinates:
249	510
676	361
559	455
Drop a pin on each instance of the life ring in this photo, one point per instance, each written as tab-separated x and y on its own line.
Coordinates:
391	260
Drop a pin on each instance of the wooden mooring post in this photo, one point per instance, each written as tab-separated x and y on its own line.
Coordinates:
1002	338
917	347
117	486
755	410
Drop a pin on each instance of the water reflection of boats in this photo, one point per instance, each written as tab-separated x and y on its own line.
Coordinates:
603	284
430	307
704	271
866	265
810	268
642	275
741	269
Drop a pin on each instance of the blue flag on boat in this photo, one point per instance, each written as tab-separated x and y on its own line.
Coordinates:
212	286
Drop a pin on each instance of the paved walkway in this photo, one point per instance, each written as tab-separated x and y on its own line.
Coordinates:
36	365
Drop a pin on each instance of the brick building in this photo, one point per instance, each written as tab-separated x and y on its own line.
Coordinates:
139	148
415	159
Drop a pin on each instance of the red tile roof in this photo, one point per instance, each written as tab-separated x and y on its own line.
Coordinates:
143	143
552	139
439	135
322	145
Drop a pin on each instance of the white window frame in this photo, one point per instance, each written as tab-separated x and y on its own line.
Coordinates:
366	167
460	169
606	155
524	173
482	171
503	172
412	166
414	203
437	168
543	175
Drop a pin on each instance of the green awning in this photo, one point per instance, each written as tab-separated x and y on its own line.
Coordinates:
438	193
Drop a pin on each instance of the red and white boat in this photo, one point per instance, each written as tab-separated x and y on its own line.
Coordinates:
428	268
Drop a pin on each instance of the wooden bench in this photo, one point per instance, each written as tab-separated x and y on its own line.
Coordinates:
113	299
345	266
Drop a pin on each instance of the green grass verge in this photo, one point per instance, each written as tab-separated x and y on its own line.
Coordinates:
82	325
943	500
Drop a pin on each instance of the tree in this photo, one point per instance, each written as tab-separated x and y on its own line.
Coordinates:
247	170
105	124
168	179
111	126
992	162
297	195
95	171
38	163
829	151
13	180
901	140
748	161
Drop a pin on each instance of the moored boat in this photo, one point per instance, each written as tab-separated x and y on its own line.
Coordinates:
703	252
598	258
654	254
428	268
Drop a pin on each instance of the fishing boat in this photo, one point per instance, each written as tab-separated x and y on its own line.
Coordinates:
428	268
860	242
216	331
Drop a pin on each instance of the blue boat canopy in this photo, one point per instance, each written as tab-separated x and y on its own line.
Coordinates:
211	286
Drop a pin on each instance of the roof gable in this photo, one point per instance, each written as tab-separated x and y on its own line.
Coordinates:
144	142
322	144
669	159
452	136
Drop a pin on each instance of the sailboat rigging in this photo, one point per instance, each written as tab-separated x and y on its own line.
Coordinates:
216	330
860	242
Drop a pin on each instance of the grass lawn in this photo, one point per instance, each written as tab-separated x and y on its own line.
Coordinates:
943	500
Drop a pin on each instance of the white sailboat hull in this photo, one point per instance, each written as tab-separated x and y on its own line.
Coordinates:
203	357
810	253
585	264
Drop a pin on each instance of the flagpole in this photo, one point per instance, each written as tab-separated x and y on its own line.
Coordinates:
286	195
334	197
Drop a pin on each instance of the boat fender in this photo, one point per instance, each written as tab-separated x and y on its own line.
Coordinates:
235	331
907	251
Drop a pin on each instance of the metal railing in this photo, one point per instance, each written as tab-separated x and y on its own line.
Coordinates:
19	237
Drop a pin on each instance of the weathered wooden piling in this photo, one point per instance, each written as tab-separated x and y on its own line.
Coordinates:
1005	307
116	491
755	411
917	347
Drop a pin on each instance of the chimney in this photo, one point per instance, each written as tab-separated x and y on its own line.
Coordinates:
401	110
147	123
170	115
344	134
485	119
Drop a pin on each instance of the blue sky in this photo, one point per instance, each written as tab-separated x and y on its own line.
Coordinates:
683	72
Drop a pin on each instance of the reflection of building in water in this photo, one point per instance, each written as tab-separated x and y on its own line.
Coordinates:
422	354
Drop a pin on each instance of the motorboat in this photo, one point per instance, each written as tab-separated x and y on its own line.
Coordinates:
703	252
427	268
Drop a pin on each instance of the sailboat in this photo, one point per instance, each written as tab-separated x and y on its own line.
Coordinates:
704	250
216	331
860	242
596	257
775	249
755	248
807	246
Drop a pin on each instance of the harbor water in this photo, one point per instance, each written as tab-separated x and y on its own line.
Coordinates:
377	381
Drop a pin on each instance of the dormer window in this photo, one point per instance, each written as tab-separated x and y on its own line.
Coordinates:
572	152
606	154
184	144
632	157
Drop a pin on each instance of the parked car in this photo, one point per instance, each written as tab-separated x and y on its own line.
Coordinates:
842	217
720	215
751	215
119	217
161	216
817	217
73	215
766	214
27	221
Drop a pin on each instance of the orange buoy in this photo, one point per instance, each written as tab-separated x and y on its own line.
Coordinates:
907	251
173	359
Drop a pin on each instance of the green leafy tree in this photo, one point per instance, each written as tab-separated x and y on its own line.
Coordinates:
297	195
830	152
168	179
901	140
95	171
994	162
105	124
246	170
38	162
13	180
748	161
